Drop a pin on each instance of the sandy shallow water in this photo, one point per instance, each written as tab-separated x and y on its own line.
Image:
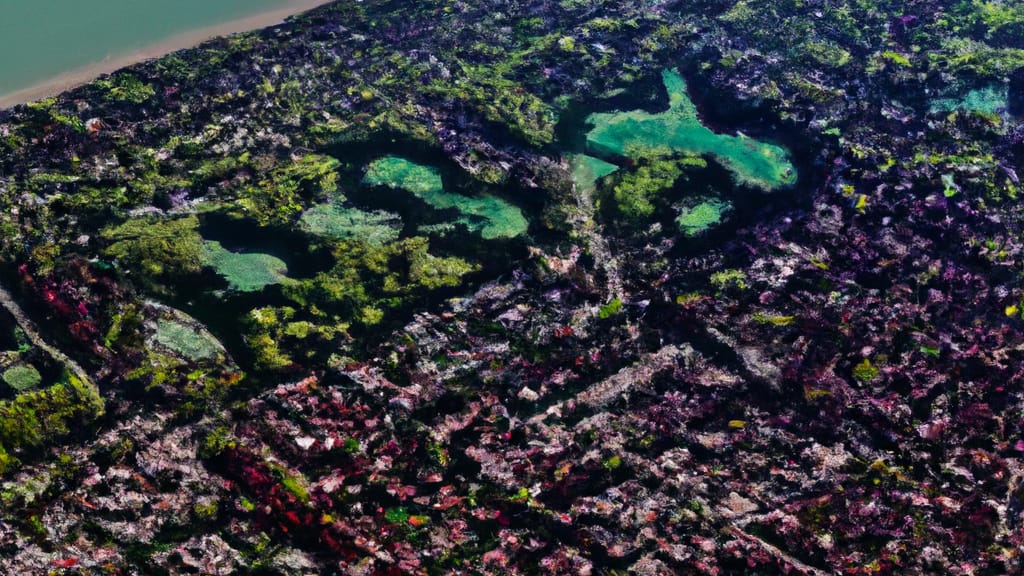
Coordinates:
79	76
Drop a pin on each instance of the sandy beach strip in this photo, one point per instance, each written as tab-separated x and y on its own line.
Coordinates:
85	74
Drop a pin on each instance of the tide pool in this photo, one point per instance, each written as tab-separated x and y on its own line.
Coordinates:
679	130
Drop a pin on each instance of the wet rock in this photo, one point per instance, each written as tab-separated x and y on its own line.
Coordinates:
1015	103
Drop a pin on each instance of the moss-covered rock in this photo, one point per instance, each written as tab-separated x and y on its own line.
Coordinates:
179	333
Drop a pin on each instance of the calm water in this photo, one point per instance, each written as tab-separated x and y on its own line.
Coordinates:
42	39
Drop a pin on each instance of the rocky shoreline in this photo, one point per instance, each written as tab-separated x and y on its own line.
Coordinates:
361	363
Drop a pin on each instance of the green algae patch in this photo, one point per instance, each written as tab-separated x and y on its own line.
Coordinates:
487	215
334	220
156	247
635	194
187	339
587	170
433	272
244	271
703	216
492	217
22	377
37	417
988	100
678	130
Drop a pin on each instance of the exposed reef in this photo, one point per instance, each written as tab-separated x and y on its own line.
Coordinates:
484	287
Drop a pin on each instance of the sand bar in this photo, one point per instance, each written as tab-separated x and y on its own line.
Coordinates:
85	74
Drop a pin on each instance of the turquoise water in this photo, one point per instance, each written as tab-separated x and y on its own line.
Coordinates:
679	129
42	39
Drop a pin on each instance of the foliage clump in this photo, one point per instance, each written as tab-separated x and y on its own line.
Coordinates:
433	272
728	279
634	193
366	282
613	307
502	101
36	417
126	87
157	247
277	198
865	371
264	329
773	319
706	214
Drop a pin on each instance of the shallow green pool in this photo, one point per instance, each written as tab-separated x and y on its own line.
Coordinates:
679	130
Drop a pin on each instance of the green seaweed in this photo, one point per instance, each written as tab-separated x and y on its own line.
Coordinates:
126	87
156	247
36	417
631	134
613	307
500	100
487	215
729	278
433	272
865	371
697	219
277	198
635	193
397	515
244	271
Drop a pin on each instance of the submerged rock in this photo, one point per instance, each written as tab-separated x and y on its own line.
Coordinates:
180	334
